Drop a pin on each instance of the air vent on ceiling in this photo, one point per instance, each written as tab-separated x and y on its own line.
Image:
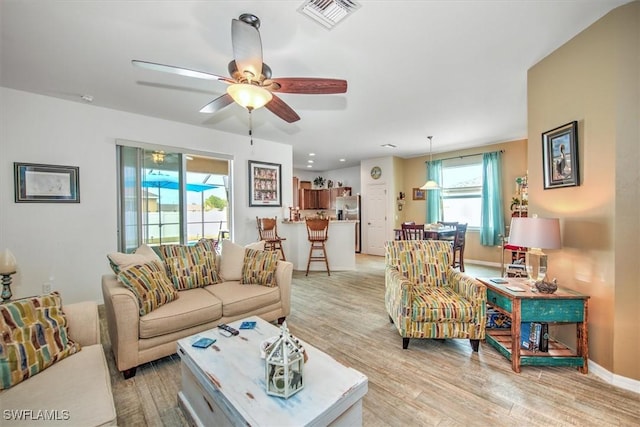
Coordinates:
328	13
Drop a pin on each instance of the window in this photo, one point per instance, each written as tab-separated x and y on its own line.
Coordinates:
169	198
462	190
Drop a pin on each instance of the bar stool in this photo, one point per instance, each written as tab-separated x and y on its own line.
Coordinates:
318	232
268	231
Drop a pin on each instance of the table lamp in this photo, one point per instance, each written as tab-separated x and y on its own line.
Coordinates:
535	234
8	267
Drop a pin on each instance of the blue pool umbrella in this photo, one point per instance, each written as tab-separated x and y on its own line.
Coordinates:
156	180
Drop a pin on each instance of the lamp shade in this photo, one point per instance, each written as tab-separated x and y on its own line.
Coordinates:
430	185
8	263
248	95
540	233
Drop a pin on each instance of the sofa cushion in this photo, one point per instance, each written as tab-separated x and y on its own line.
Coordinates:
194	307
208	244
143	255
240	299
78	388
440	304
34	336
150	285
232	259
259	267
190	266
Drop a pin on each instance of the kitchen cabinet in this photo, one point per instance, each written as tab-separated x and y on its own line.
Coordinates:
314	199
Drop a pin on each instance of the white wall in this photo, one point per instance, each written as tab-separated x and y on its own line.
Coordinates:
70	241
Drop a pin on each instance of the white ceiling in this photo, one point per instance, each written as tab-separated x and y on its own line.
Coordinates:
452	69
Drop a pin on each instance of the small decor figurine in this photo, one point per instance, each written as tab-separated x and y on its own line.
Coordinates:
284	363
547	287
319	181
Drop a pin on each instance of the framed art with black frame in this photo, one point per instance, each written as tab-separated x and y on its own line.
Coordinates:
46	183
560	157
265	184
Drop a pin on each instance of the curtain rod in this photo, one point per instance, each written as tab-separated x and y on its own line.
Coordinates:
468	155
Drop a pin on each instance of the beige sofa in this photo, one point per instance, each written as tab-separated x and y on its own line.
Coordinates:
73	391
139	339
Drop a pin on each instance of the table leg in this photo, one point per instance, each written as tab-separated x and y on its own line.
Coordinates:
515	334
583	342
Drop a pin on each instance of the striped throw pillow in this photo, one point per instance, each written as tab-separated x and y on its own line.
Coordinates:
259	267
34	337
150	285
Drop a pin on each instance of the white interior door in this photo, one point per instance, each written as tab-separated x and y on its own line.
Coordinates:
376	226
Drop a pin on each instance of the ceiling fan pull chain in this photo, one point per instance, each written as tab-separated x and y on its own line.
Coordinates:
250	126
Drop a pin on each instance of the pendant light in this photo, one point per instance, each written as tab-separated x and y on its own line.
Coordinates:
430	184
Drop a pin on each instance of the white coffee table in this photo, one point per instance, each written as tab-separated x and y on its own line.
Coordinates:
225	384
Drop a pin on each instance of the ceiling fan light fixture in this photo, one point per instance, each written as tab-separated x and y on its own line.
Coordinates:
248	95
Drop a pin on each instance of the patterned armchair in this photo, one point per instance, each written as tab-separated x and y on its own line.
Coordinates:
426	298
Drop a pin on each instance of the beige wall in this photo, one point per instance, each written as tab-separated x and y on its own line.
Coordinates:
413	175
595	79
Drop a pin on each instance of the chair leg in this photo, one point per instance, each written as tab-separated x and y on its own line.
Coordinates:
326	260
462	259
309	261
475	345
284	258
390	319
129	373
405	343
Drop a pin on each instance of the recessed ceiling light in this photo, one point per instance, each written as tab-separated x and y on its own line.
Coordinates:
87	98
389	146
309	166
343	160
309	161
312	154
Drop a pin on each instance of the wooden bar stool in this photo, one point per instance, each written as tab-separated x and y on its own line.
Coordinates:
318	232
268	231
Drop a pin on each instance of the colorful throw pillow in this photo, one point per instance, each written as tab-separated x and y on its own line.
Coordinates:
34	337
192	267
150	285
208	244
232	258
259	267
143	255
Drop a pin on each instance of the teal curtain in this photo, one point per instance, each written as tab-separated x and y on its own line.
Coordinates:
492	220
434	202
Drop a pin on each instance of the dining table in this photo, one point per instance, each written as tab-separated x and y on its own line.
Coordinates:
431	232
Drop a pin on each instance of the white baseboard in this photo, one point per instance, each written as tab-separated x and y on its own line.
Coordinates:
613	379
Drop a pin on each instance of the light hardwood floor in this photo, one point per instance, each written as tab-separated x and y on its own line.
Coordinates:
432	383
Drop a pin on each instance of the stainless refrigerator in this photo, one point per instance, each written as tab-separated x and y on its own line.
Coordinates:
348	208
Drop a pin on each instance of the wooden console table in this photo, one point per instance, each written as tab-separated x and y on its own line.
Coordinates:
563	306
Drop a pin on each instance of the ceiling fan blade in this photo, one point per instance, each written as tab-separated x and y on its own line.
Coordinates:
217	104
278	107
180	71
308	85
247	49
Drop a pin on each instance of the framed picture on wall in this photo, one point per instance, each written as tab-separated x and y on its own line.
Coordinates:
560	156
419	194
265	184
46	183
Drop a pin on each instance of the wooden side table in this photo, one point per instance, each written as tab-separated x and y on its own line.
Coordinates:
563	306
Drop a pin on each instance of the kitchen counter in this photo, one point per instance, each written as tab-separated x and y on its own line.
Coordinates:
340	245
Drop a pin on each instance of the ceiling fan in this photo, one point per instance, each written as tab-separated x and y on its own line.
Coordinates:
251	84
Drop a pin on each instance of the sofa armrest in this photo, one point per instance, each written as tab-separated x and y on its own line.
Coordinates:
398	294
467	286
83	322
284	276
123	321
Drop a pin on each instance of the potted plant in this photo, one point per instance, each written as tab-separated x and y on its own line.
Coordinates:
319	181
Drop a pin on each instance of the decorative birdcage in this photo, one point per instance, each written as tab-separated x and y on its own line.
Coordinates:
284	364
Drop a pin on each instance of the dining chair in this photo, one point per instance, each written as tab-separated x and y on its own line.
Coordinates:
413	231
318	233
457	260
268	231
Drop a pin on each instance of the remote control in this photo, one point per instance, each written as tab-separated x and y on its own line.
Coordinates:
228	328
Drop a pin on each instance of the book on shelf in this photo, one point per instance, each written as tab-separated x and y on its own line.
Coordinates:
534	336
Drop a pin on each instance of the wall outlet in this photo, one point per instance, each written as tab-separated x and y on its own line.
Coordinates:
46	287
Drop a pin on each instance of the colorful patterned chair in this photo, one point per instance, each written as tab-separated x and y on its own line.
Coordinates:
426	298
